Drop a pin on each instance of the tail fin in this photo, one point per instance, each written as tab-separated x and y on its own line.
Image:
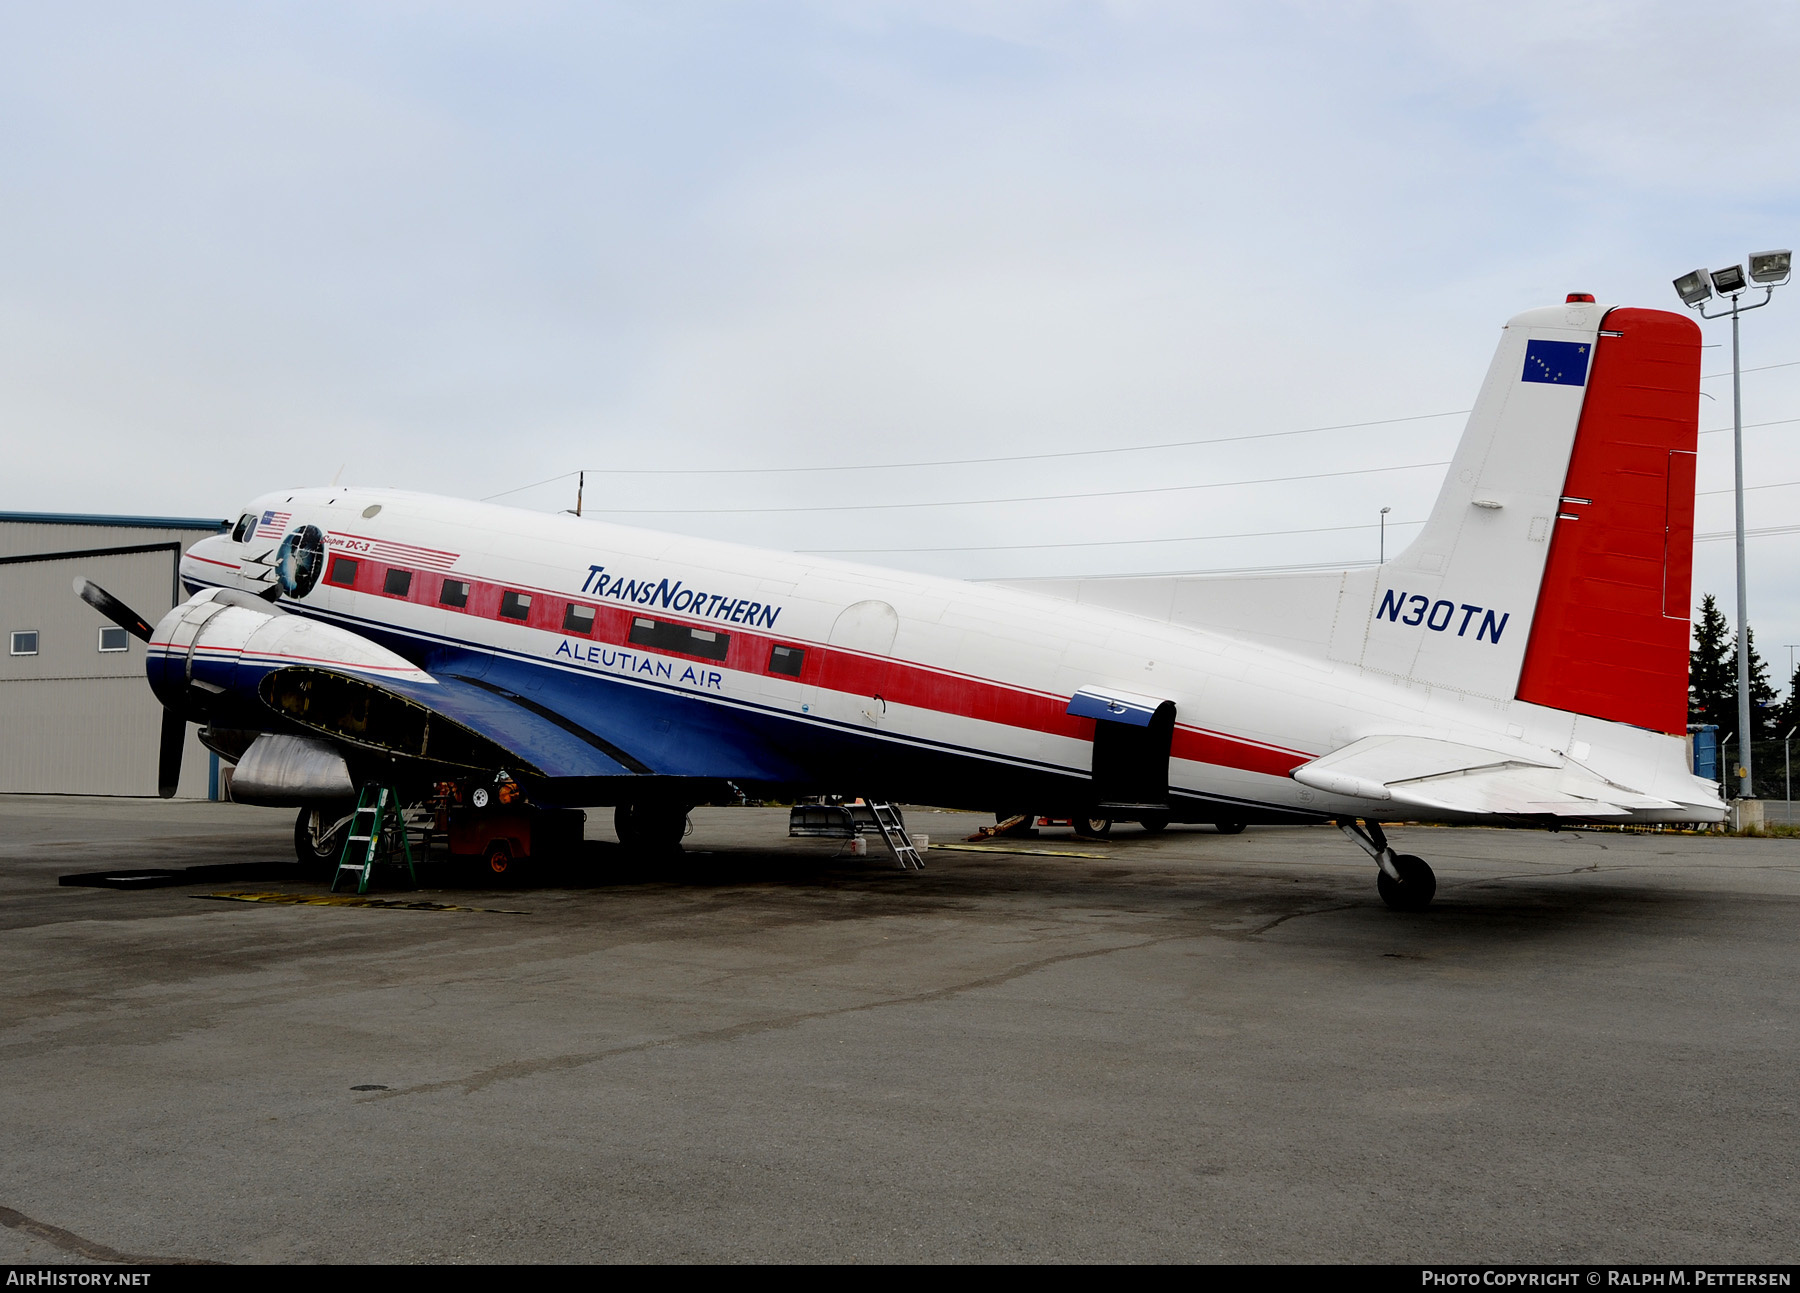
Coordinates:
1556	563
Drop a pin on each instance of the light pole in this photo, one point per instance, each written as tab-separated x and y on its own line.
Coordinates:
1768	270
1384	512
1787	773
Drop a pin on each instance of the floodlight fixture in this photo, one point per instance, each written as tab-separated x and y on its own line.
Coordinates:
1729	281
1693	288
1770	267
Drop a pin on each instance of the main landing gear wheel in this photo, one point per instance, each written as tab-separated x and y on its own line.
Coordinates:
1154	823
1229	828
1093	828
318	843
651	828
1414	890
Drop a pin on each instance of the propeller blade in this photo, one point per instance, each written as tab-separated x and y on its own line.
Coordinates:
114	609
168	761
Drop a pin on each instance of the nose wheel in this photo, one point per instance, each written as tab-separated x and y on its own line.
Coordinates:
1405	882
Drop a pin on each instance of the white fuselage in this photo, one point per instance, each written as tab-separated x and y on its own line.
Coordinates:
909	661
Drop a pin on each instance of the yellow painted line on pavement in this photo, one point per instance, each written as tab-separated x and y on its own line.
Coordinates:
989	848
351	900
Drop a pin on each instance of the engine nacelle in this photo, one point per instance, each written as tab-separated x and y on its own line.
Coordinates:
208	656
280	771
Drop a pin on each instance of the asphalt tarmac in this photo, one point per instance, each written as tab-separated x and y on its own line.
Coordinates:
1191	1047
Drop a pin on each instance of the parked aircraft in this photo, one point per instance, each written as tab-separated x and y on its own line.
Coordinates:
1522	662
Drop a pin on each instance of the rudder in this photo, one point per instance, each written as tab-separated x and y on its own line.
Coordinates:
1610	635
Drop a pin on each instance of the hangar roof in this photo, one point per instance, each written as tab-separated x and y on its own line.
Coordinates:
134	522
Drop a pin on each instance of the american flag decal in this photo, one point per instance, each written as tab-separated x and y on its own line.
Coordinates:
398	554
273	525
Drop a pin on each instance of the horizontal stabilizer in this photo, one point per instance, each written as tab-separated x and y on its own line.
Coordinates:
1446	776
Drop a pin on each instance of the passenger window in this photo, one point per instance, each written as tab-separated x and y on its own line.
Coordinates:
398	583
343	572
578	619
455	593
787	660
664	636
515	606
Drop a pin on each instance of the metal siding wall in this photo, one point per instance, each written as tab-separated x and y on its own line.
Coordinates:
20	538
74	721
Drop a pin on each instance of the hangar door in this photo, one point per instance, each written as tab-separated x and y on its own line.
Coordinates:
1132	736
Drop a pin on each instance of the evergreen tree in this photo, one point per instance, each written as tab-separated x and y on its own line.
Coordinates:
1787	714
1763	710
1712	670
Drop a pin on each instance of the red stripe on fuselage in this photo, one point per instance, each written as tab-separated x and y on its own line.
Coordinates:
898	682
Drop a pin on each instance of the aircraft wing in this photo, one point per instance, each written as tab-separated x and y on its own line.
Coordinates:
465	722
1446	776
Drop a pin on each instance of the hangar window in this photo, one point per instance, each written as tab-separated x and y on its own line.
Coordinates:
113	639
515	606
343	572
578	619
456	593
397	583
25	642
665	636
788	660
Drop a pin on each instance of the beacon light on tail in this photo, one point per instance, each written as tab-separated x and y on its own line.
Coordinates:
1522	662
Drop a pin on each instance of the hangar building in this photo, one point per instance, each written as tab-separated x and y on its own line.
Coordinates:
76	714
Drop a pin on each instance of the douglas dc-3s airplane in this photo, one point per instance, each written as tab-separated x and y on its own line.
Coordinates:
1522	662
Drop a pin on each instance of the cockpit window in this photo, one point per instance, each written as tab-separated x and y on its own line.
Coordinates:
241	530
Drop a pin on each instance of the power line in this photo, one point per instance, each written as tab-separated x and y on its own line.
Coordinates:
975	462
1760	368
983	502
1058	454
1749	534
1208	538
1114	543
1029	457
1751	426
1778	484
1306	566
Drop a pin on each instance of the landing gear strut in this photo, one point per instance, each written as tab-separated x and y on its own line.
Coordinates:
1405	882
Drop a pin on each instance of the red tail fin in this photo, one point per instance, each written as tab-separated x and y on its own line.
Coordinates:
1610	638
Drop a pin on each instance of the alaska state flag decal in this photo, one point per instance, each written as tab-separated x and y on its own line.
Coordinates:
1560	363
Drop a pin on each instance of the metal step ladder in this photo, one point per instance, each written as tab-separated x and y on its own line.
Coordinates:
893	830
377	834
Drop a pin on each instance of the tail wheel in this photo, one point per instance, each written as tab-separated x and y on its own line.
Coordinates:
1093	828
1416	888
499	858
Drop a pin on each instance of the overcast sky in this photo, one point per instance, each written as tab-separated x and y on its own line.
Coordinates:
467	247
